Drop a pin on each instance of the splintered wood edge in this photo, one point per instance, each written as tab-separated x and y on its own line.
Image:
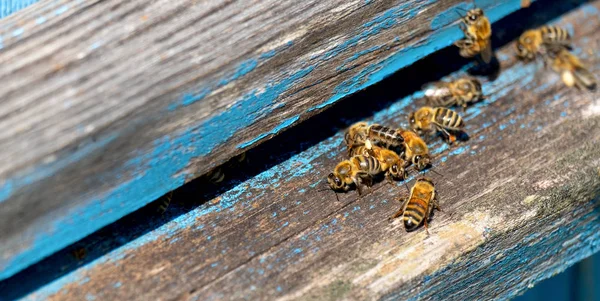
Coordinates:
520	198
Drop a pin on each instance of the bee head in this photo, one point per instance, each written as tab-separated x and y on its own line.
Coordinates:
522	52
421	161
426	179
473	16
335	182
476	84
397	172
526	45
412	121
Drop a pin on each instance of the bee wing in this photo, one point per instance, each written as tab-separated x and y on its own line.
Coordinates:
436	89
486	52
584	79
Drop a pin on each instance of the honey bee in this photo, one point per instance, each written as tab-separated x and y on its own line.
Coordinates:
163	204
461	92
360	132
356	135
571	70
417	207
357	170
534	41
391	163
428	119
416	150
478	31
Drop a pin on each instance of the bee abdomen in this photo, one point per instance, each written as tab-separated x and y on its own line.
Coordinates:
368	164
385	134
414	213
555	34
448	118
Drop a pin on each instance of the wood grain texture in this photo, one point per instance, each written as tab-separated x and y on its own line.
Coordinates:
520	202
107	105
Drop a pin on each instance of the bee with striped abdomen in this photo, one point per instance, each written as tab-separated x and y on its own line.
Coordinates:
570	68
417	207
357	170
535	41
360	132
478	32
416	150
461	92
385	135
429	120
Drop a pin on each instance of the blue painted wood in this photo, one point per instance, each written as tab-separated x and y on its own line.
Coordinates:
163	167
9	7
308	230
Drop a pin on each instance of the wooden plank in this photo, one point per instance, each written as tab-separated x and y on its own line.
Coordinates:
519	199
137	98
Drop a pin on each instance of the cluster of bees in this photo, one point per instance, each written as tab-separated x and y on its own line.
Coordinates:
375	150
553	45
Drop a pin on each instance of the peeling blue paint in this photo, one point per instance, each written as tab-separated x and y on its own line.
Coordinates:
61	10
17	32
286	123
8	7
450	15
154	176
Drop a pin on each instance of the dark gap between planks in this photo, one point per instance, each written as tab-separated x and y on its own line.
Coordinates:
337	117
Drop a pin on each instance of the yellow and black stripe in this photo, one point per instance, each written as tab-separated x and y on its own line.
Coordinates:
555	35
386	135
367	164
415	212
448	119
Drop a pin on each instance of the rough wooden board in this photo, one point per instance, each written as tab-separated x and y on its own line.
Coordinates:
520	203
137	97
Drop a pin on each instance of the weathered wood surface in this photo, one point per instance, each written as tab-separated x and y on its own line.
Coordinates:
520	202
106	105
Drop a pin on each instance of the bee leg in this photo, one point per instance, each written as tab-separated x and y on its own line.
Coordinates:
359	190
388	177
449	137
399	212
426	226
436	206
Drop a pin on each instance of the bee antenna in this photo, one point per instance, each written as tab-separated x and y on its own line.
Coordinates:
407	190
